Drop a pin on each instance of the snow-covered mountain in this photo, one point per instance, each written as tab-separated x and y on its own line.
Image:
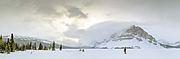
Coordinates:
26	40
167	44
132	37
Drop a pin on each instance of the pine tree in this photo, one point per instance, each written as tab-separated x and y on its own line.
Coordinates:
7	47
50	47
45	48
53	46
60	48
23	47
40	46
27	46
30	45
17	47
34	46
1	40
12	44
1	44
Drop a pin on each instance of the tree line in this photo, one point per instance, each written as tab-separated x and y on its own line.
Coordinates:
9	45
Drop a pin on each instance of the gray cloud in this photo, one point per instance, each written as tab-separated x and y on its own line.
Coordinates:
51	8
40	14
76	12
148	10
46	9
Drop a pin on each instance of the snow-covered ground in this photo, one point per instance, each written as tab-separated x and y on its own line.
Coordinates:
96	54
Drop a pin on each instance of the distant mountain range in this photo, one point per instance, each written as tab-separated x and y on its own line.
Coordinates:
133	37
47	43
169	45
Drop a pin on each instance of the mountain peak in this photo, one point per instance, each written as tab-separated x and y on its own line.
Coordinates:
134	29
138	31
128	36
130	33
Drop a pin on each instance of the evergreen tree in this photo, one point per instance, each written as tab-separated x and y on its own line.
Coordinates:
27	46
23	47
7	47
45	48
1	44
12	44
30	45
53	46
61	46
34	46
40	46
1	40
50	47
17	47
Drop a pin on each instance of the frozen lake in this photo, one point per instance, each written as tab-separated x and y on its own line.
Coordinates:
96	54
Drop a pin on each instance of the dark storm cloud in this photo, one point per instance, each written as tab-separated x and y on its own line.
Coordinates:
38	13
23	11
76	12
50	7
46	7
165	10
47	10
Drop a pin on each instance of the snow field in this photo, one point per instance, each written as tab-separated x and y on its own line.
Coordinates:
96	54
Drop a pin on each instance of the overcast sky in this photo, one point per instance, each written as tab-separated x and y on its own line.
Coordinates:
52	19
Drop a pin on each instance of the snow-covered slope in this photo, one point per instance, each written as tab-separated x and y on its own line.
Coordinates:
167	44
97	32
133	37
95	54
26	40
